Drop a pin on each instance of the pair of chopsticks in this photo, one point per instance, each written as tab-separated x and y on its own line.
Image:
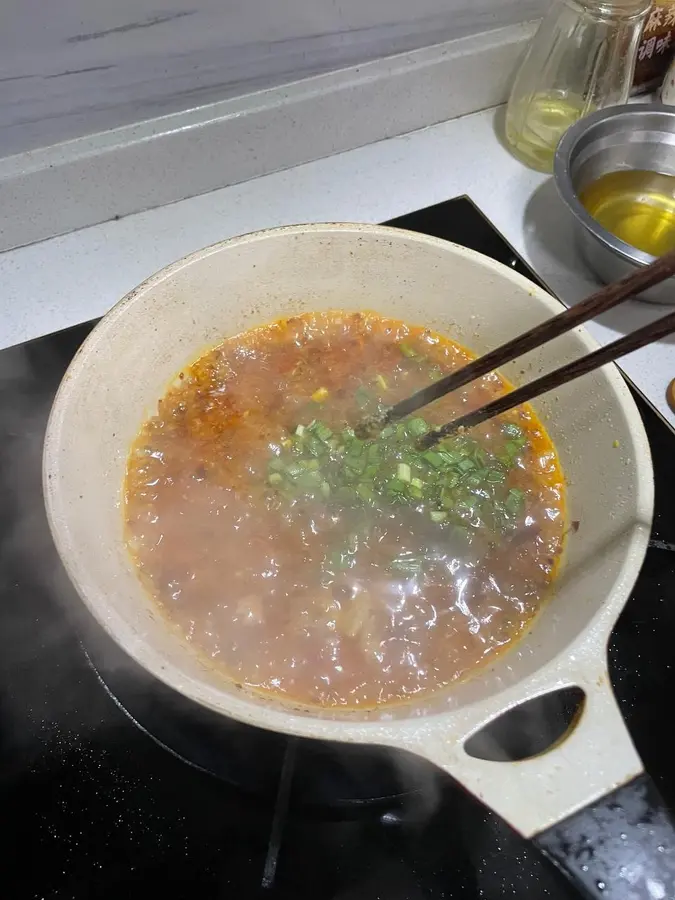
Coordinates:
606	298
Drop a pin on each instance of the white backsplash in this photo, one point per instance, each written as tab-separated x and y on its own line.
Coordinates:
71	67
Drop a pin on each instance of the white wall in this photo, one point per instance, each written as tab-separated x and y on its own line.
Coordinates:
70	67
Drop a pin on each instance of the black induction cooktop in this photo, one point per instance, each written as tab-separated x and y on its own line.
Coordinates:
111	786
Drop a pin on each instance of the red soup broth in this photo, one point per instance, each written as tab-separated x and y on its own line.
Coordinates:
341	584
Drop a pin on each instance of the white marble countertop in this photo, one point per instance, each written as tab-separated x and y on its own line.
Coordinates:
75	277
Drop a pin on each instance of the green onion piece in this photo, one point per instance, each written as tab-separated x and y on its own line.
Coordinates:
366	492
408	351
447	499
382	382
315	446
275	478
450	457
434	459
466	465
495	476
417	483
514	501
309	481
403	472
300	430
294	469
416	427
321	431
325	489
438	516
357	464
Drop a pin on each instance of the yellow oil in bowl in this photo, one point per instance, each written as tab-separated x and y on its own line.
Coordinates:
636	206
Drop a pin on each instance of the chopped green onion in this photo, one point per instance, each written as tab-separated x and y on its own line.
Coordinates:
466	464
447	499
514	501
403	472
357	464
309	481
408	351
434	459
495	476
382	382
416	427
458	482
315	446
450	457
321	431
366	492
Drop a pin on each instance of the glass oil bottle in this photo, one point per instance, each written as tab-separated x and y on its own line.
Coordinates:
581	59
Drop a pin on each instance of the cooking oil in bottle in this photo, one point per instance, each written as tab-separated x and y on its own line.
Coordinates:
636	206
581	59
534	130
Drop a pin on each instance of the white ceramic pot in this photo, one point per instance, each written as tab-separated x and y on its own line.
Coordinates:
125	365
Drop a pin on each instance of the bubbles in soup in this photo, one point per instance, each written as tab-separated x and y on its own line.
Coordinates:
324	569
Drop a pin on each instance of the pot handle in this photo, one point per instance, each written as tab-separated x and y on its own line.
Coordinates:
592	758
620	848
614	843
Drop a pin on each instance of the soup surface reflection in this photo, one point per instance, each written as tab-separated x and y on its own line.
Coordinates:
328	570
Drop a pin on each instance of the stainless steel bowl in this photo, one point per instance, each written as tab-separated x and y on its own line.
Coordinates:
640	136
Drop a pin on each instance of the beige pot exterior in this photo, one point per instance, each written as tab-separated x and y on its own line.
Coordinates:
125	365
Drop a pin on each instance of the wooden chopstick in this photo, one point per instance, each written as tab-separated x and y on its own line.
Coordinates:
624	345
601	301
